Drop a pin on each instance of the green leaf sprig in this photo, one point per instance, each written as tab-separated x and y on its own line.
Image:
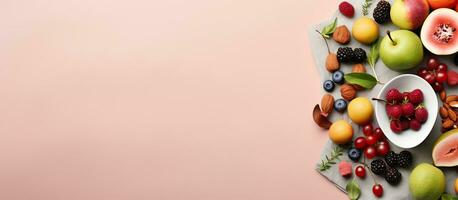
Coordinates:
364	80
373	56
353	190
327	31
331	159
366	5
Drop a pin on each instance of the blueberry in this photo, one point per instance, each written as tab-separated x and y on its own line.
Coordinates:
354	154
328	86
340	105
338	77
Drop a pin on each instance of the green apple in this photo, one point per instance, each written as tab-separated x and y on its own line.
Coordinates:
401	50
426	182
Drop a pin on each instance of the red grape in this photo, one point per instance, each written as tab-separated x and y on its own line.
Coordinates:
430	78
438	87
371	140
432	64
383	148
422	72
379	134
442	68
360	142
367	129
370	152
360	171
377	190
441	76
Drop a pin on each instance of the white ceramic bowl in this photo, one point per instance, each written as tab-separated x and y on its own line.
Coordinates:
408	138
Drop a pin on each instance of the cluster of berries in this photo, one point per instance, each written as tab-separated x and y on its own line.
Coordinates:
349	55
405	110
388	169
372	144
435	73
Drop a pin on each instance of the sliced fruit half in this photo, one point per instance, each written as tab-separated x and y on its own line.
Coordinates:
439	33
445	150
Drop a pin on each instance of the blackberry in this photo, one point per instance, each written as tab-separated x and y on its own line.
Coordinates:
345	54
382	12
391	159
404	159
359	55
378	167
393	176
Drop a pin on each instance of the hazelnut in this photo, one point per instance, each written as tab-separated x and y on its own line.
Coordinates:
358	68
327	103
348	92
332	64
341	35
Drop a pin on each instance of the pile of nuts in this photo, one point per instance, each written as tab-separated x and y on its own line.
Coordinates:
448	111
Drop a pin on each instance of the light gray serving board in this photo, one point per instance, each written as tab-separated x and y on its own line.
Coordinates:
421	154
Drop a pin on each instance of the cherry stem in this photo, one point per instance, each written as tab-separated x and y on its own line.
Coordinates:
389	35
327	45
369	170
377	99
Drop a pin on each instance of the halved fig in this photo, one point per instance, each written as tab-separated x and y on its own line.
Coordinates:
439	32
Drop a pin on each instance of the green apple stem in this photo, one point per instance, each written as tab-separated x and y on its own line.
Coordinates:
389	35
327	45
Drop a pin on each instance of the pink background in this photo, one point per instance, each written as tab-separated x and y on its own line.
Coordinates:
176	99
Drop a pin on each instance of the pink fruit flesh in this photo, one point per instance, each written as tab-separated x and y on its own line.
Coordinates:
446	155
439	31
345	168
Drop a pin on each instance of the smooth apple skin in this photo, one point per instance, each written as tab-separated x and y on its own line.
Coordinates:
406	54
409	14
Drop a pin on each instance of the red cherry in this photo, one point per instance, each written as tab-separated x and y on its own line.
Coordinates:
377	190
371	140
360	172
422	72
379	134
430	78
438	87
442	67
383	148
432	64
360	142
441	77
370	152
368	129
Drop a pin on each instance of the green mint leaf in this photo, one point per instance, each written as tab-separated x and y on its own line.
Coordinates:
449	197
329	29
362	79
373	56
353	190
367	4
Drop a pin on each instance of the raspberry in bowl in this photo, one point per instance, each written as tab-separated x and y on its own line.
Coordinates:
406	110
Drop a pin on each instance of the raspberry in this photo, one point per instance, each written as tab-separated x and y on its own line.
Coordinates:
393	176
393	96
393	111
391	159
346	9
404	159
382	12
405	124
378	167
407	109
416	97
396	126
345	168
415	125
421	114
